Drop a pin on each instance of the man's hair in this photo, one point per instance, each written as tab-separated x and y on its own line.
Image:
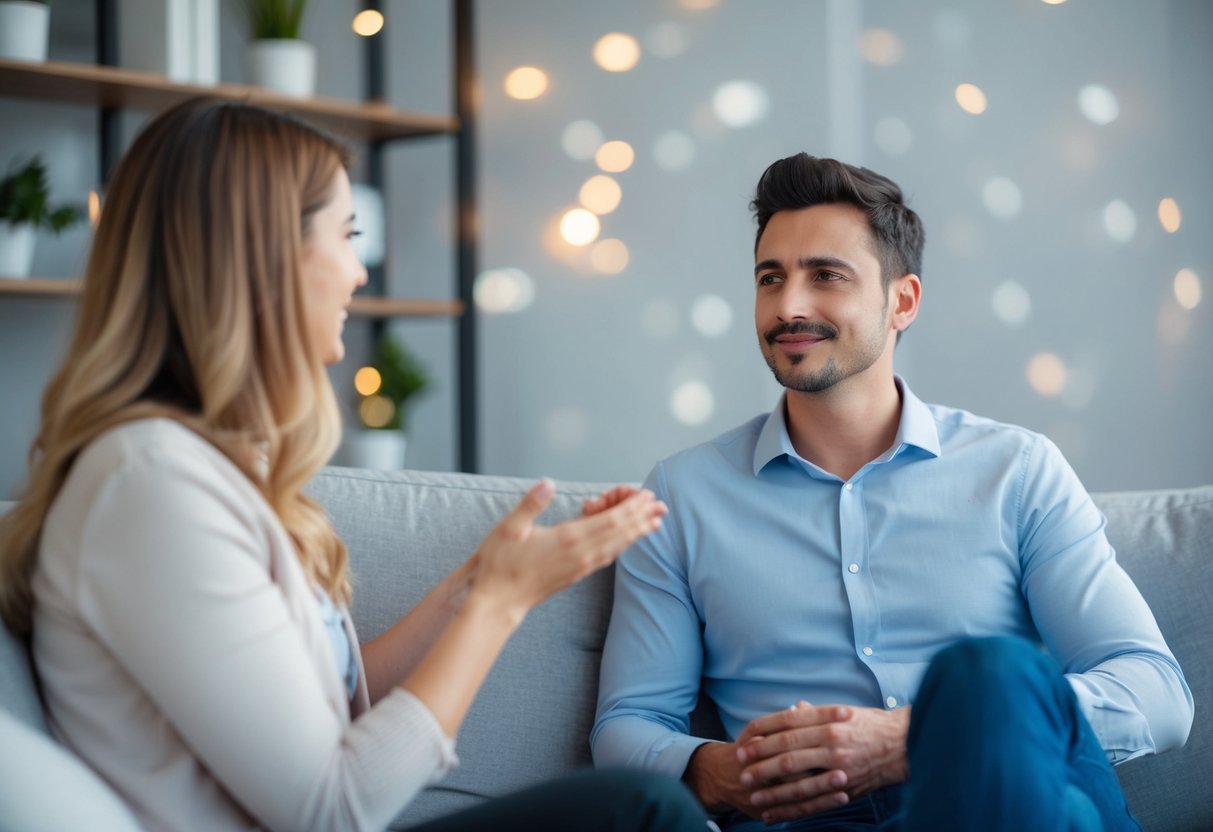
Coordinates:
802	181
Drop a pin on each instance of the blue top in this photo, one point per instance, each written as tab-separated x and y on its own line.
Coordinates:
343	652
773	580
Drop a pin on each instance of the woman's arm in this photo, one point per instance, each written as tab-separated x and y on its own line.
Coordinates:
517	567
392	656
389	658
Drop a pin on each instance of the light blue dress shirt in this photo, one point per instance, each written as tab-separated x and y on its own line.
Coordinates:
773	580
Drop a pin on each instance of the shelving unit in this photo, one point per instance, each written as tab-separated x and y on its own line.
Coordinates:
128	89
110	89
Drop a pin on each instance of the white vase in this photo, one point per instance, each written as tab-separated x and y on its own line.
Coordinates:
285	66
16	249
24	30
382	450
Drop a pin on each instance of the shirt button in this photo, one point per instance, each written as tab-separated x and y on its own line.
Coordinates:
891	701
848	486
853	568
867	651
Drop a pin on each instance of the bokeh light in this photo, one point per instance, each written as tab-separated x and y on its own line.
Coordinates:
1002	198
504	290
1119	221
367	381
566	428
600	194
368	22
609	256
1169	215
94	207
674	151
699	5
666	39
1098	104
893	136
659	319
711	315
740	103
579	227
526	83
971	99
880	46
692	403
615	157
376	411
1047	374
581	139
616	52
1187	289
1011	303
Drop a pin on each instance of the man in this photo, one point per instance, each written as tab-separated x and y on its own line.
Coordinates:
818	560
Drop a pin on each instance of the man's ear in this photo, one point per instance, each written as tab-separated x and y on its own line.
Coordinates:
904	295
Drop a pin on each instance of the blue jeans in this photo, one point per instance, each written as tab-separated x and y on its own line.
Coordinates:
588	801
997	742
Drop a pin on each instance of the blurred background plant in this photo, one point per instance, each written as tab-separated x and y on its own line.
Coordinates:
388	384
25	199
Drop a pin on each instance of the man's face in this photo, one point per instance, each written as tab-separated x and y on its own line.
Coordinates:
820	308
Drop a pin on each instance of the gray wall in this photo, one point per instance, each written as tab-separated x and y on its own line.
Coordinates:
578	384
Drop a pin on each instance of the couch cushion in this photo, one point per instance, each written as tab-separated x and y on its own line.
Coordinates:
45	787
531	721
1164	540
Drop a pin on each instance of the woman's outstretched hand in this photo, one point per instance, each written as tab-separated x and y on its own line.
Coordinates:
521	564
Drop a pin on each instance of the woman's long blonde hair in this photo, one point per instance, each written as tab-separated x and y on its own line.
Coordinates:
192	309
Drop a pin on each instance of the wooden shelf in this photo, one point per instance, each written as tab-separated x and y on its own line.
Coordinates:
363	306
119	88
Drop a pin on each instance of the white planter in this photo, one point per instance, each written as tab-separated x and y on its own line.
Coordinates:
285	66
24	30
16	249
379	449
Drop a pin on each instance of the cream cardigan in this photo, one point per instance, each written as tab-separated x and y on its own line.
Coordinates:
182	653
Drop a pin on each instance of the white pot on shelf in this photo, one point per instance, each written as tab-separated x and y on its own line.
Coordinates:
285	66
16	249
24	30
382	450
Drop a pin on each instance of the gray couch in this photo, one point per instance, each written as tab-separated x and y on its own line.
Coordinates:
405	530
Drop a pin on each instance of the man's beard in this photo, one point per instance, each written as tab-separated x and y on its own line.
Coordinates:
814	381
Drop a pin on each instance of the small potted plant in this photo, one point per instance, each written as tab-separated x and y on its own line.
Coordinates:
385	389
24	29
24	208
278	59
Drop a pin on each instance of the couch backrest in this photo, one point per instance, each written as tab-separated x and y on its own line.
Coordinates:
1164	540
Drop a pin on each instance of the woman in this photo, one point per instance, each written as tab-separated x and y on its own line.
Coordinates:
187	603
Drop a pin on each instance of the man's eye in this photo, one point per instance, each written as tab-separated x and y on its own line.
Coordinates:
829	276
768	279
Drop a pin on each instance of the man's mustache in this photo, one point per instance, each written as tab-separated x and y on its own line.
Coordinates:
816	329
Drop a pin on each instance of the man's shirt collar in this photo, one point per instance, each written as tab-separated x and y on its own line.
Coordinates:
916	429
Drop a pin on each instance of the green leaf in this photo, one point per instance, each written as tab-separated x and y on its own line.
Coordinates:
25	198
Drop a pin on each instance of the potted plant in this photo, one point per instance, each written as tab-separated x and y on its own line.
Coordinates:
385	389
278	59
24	208
24	29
